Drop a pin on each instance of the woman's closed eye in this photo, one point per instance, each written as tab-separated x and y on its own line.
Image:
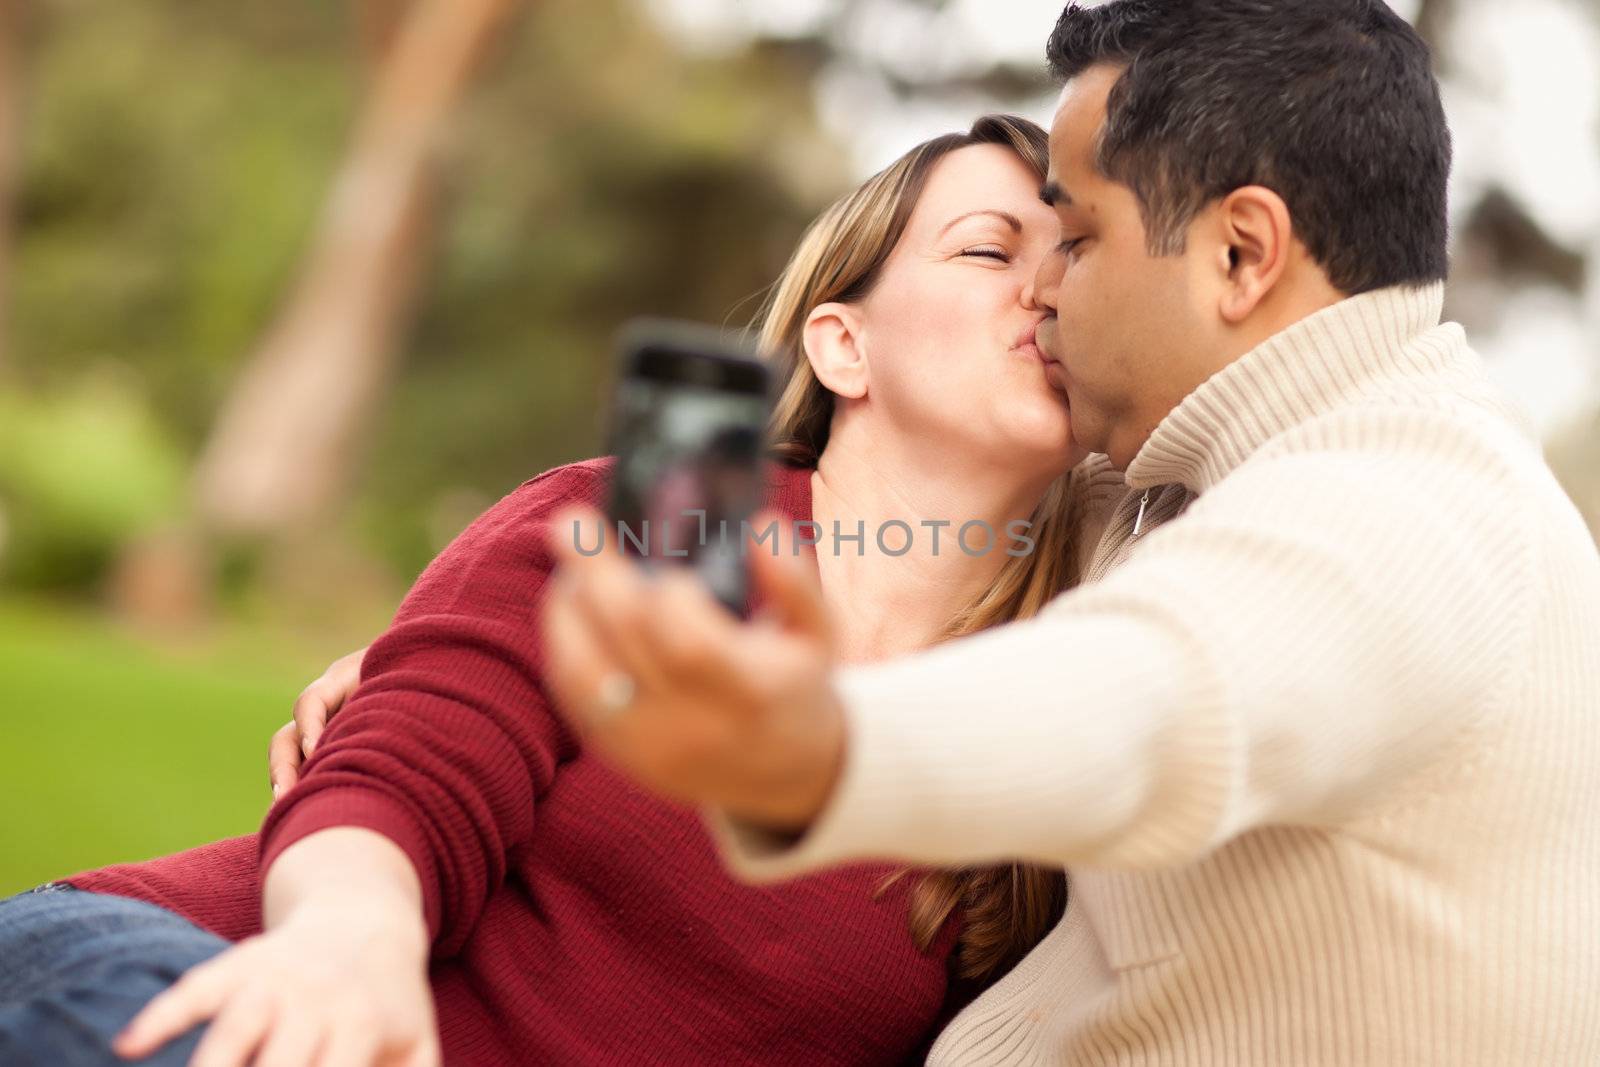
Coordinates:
988	252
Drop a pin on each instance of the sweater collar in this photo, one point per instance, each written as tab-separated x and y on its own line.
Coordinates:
789	490
1301	372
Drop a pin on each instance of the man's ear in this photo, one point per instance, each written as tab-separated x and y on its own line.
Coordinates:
833	343
1257	233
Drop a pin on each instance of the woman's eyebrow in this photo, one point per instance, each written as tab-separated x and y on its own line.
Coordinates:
1007	217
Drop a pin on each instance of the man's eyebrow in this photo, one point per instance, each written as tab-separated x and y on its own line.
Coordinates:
1052	194
1007	217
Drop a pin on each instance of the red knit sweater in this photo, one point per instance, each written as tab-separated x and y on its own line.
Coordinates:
576	919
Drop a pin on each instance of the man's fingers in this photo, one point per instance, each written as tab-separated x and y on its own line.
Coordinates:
613	593
192	1000
284	759
789	589
323	698
340	682
579	533
311	715
664	631
688	634
618	601
576	661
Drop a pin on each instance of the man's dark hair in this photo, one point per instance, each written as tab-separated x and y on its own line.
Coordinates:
1331	104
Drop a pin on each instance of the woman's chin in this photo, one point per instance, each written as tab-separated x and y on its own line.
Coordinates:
1044	422
1045	371
1048	449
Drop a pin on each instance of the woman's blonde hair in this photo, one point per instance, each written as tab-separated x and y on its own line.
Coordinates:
1006	908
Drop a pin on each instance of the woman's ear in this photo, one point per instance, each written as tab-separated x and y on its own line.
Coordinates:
1257	232
833	343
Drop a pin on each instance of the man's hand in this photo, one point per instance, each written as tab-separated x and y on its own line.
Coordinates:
666	684
296	739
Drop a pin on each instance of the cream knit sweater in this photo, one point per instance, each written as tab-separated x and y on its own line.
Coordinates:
1320	747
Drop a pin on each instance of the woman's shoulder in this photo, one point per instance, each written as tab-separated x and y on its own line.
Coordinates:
504	554
787	488
583	482
533	503
522	513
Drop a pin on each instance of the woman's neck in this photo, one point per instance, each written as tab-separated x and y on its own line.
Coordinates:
885	605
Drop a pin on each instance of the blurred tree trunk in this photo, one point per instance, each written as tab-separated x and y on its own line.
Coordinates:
378	23
285	441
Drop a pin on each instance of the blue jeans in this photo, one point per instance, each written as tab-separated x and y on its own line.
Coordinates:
75	967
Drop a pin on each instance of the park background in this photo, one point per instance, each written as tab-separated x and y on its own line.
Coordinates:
289	292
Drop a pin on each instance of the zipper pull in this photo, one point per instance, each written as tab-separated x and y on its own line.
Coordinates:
1138	522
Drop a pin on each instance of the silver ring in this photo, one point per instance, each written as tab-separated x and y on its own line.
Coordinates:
617	691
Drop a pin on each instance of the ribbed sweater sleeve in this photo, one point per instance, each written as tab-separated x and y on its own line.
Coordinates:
449	742
1316	632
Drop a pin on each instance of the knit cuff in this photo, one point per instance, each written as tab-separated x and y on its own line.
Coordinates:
340	806
840	833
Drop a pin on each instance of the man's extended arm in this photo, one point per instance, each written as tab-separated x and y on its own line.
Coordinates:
1316	632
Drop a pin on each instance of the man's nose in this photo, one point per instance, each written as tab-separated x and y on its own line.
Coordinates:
1041	292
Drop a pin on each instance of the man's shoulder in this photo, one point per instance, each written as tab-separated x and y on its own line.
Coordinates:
1457	423
1440	395
1432	462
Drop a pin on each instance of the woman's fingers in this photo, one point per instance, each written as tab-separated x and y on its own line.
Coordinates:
426	1054
284	759
292	1043
239	1028
351	1045
193	999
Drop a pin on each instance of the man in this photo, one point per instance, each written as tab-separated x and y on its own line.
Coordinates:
1316	738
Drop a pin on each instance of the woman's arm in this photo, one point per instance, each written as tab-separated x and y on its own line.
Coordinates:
390	846
341	970
448	744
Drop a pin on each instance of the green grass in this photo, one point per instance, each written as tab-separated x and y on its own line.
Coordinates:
114	749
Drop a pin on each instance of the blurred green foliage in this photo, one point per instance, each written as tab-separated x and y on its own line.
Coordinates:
116	750
82	473
171	168
176	155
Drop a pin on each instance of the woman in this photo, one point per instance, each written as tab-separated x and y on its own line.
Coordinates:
448	835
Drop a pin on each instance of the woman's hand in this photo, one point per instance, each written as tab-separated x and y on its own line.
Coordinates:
335	985
340	978
295	740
